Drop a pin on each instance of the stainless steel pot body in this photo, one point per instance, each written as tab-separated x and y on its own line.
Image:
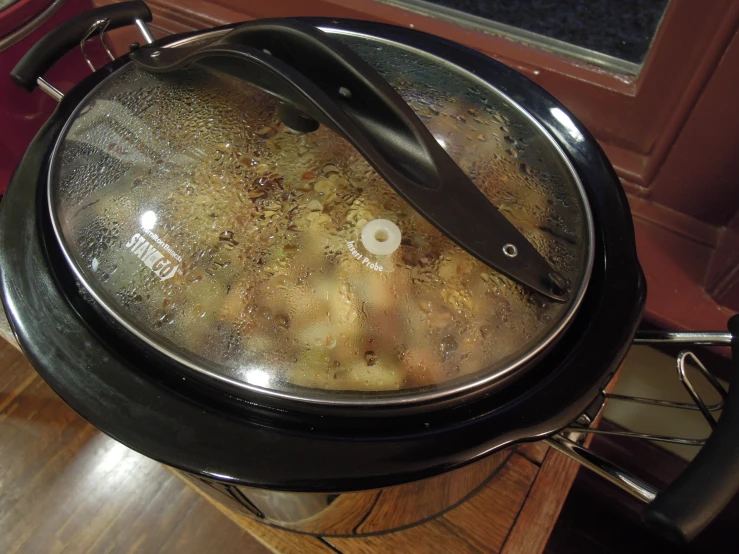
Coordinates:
354	514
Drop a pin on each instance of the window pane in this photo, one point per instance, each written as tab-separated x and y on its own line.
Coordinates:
615	33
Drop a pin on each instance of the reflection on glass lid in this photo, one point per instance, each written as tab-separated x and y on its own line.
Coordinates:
281	260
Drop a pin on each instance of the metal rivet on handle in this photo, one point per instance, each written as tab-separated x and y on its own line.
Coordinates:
510	250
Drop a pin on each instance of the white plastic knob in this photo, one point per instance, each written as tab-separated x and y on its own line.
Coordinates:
381	237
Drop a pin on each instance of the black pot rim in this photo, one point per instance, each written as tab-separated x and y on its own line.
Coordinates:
124	393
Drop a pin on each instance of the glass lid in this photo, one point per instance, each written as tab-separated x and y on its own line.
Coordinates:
281	262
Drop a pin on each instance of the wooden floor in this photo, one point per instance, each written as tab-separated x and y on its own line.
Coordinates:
66	487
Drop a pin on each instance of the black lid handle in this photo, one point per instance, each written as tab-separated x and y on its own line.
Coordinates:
318	78
47	51
711	480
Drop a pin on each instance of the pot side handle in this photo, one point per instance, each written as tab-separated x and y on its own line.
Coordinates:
319	80
50	49
711	480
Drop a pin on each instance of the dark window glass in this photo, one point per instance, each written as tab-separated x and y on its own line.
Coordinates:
623	29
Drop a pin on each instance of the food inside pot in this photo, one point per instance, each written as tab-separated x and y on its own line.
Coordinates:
236	243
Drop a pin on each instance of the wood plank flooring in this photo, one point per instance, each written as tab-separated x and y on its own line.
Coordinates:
67	488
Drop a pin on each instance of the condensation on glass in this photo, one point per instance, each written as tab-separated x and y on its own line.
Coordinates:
234	244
